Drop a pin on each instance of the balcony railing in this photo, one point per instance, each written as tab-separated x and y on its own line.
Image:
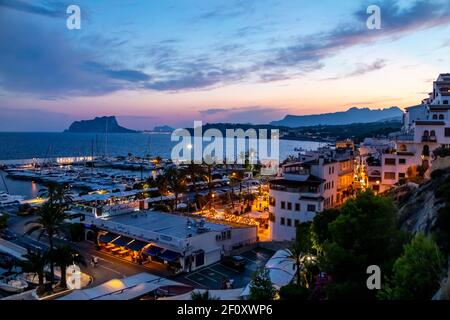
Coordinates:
428	138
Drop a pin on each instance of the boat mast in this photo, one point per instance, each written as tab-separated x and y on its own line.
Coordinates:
106	139
92	156
4	182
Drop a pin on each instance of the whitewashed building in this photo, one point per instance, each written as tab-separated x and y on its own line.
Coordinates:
425	128
305	189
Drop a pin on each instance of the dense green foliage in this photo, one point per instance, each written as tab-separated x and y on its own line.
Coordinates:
363	234
294	292
417	272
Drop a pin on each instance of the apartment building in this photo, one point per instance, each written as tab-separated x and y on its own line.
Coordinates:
304	189
425	128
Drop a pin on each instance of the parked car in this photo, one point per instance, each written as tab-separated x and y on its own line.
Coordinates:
7	234
235	262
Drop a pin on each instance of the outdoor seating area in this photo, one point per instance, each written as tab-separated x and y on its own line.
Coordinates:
121	246
138	251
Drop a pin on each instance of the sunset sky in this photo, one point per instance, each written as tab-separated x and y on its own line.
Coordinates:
174	61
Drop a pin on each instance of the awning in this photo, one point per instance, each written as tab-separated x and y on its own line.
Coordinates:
108	237
153	251
170	255
122	241
136	245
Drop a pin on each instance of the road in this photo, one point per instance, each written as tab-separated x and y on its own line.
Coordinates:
108	268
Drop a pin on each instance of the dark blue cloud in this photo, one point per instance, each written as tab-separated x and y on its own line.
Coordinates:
54	9
123	74
307	53
35	59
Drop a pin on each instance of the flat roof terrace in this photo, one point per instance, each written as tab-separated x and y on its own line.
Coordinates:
165	223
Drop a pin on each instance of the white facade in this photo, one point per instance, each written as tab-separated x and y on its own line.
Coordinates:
425	128
184	235
305	189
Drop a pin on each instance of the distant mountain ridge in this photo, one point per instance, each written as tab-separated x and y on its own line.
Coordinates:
98	125
352	115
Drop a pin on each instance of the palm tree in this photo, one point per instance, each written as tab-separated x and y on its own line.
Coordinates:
49	220
162	185
177	182
302	261
296	256
210	164
49	192
236	177
195	170
62	195
35	262
63	257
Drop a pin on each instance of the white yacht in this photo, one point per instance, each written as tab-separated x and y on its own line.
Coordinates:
13	283
7	199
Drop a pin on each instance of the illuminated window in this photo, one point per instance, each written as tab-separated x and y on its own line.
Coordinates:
389	175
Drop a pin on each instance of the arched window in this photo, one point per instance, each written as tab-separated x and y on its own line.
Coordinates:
435	116
426	133
441	117
426	150
432	133
402	147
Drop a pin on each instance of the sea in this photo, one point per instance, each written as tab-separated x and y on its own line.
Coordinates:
29	145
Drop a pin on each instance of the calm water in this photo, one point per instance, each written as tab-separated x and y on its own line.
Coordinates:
28	145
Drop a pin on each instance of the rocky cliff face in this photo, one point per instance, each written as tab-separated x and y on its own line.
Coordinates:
418	207
98	125
426	207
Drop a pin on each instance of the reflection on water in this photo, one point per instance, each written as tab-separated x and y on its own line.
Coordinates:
28	189
46	145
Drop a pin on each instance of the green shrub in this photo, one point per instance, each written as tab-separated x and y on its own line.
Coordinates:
294	292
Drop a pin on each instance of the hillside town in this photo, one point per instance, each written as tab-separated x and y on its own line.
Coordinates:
191	225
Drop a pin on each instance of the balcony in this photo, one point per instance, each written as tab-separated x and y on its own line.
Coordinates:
405	137
429	139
